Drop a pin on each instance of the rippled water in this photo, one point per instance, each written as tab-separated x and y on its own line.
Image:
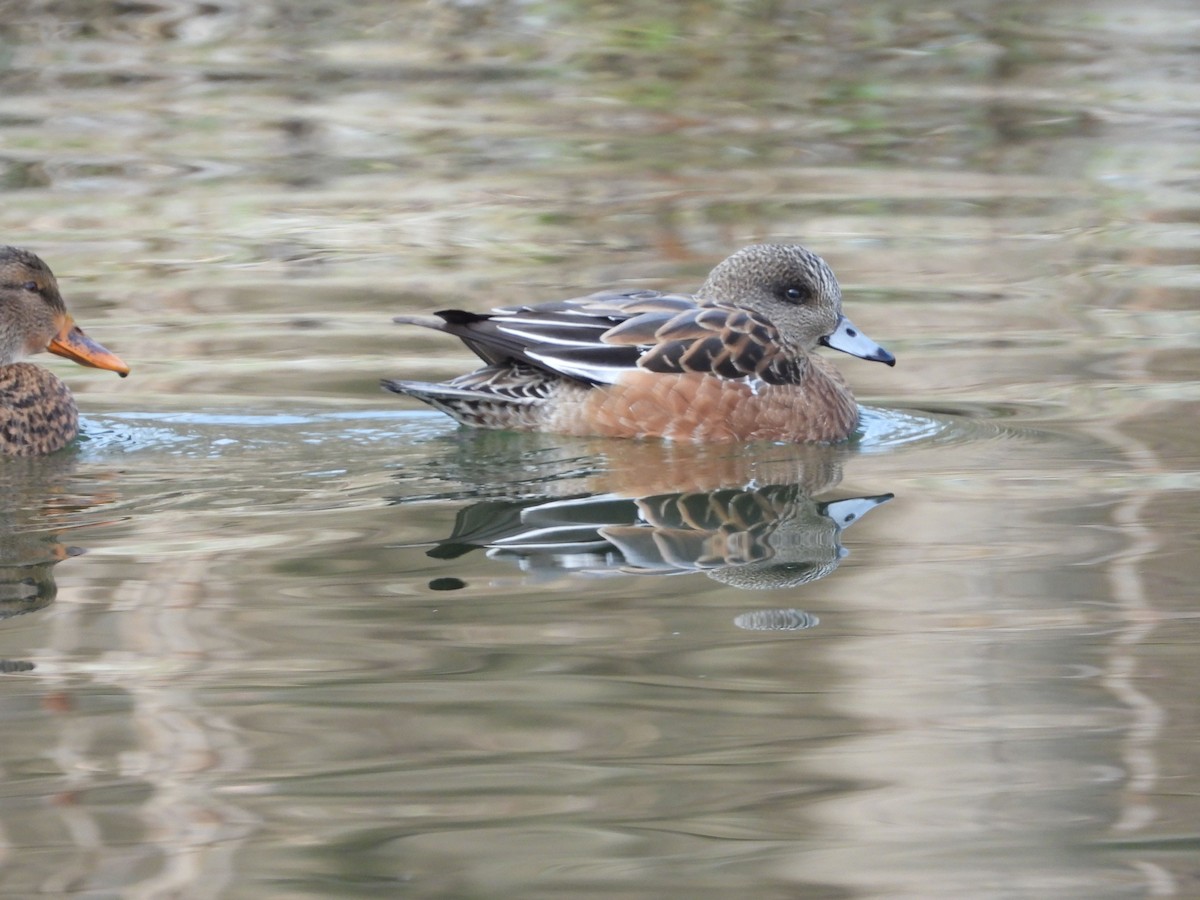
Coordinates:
269	631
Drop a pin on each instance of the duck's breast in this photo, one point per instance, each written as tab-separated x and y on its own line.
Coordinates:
706	409
37	411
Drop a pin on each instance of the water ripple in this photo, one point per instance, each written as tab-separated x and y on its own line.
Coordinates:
213	434
208	434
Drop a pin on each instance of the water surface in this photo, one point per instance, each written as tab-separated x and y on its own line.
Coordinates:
269	631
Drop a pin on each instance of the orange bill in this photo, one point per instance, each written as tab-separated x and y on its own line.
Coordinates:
72	343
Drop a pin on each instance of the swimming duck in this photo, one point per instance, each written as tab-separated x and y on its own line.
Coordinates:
37	412
733	362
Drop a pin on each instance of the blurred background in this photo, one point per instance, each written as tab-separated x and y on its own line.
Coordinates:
269	631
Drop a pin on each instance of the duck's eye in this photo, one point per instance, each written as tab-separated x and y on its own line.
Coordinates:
31	286
794	294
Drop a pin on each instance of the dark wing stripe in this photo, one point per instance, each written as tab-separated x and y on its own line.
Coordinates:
780	371
746	355
702	356
725	366
741	322
664	357
486	341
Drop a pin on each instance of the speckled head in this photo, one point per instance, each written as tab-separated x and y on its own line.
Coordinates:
785	282
797	291
33	316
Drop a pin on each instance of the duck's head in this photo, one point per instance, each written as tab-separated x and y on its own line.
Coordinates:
795	289
34	318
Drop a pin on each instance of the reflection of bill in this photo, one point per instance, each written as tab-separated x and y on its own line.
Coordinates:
758	538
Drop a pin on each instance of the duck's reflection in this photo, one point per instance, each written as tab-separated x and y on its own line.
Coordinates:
30	547
752	518
754	538
27	564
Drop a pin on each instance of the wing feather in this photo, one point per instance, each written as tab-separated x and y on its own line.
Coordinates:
600	337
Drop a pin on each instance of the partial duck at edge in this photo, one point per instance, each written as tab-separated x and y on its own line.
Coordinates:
37	412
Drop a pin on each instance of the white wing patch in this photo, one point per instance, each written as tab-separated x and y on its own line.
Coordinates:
597	373
543	338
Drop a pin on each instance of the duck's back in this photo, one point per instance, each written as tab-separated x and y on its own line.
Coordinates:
37	412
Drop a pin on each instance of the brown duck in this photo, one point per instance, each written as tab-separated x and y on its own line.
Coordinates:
37	412
733	362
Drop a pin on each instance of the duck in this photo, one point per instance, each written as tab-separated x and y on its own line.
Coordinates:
734	362
38	415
